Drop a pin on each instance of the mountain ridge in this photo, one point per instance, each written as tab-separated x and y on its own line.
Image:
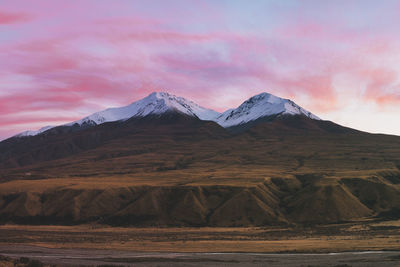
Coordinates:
261	105
156	103
177	170
174	169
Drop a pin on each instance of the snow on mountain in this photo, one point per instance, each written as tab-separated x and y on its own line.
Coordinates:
261	105
154	104
33	132
157	103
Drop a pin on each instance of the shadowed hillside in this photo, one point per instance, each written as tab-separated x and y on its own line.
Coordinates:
179	170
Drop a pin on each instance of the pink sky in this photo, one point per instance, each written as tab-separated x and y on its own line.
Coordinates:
62	60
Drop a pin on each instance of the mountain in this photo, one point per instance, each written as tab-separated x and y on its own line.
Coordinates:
166	165
157	103
65	141
34	132
261	106
154	104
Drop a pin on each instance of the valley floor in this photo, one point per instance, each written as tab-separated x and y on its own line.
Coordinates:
98	244
88	257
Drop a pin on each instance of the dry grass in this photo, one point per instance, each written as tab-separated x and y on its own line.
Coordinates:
334	239
196	173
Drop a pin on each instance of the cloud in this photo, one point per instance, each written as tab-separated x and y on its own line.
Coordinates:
121	53
383	87
12	18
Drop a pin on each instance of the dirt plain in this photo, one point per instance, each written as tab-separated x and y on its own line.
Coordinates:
39	256
370	243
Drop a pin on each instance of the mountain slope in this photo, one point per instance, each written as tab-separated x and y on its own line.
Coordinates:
157	103
61	142
172	168
259	106
263	105
154	104
34	132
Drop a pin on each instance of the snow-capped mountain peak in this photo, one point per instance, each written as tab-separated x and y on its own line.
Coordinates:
154	104
261	105
157	103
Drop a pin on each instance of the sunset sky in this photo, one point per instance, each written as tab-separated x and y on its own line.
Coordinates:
61	60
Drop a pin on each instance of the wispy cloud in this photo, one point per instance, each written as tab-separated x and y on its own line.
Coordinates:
12	18
60	56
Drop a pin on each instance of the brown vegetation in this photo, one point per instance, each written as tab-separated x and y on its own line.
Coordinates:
369	235
186	172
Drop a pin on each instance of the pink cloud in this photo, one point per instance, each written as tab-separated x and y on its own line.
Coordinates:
11	18
113	56
384	86
35	102
36	119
